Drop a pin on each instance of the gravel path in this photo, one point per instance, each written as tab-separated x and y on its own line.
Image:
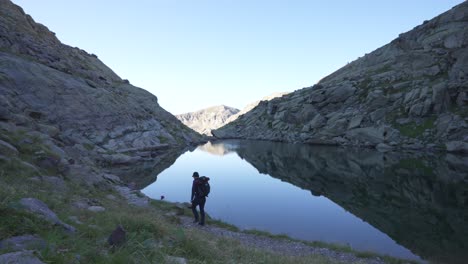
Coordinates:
281	246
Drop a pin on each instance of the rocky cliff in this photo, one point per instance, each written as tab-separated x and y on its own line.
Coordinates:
68	92
69	101
411	93
205	120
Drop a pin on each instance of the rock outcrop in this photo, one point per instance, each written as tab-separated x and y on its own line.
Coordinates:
39	208
205	120
411	93
21	257
70	96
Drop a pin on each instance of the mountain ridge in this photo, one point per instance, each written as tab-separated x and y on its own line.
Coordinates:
408	94
204	120
207	119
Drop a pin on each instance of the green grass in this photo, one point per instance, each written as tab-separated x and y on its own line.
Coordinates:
364	88
150	238
163	139
266	234
88	146
459	110
415	130
385	68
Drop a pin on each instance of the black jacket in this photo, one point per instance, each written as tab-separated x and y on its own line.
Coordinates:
195	188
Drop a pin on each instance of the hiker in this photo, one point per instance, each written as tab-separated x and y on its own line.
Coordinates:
200	190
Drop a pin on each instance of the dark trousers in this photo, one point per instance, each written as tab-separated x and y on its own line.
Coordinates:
199	201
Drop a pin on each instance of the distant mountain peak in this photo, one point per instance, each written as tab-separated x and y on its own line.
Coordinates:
214	117
204	120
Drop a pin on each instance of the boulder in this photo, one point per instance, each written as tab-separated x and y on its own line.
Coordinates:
111	178
355	121
21	257
453	41
373	135
317	121
457	146
340	93
133	197
118	236
96	208
176	260
338	127
376	99
7	149
382	147
26	242
40	209
378	115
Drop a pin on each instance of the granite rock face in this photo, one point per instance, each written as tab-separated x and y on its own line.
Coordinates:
71	96
410	93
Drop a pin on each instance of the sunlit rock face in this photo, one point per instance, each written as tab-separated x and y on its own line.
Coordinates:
411	93
205	120
70	96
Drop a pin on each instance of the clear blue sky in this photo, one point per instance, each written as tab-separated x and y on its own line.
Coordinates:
196	54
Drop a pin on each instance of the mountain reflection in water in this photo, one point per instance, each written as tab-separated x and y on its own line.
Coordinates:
418	200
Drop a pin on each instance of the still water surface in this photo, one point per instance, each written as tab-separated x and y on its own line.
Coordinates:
366	199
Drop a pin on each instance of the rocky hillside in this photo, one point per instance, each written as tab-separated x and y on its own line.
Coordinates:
410	93
203	121
71	100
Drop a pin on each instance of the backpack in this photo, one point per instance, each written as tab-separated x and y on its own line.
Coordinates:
204	186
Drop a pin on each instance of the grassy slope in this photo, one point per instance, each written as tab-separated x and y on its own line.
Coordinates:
151	236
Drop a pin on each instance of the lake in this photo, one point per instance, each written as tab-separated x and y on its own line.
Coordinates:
407	205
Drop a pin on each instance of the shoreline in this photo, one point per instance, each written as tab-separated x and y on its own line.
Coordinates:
278	244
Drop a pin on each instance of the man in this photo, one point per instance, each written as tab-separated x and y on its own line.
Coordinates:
198	199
